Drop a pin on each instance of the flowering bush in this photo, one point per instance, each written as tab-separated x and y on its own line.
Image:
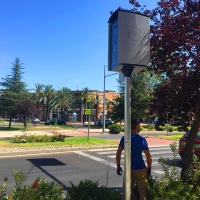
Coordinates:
38	138
39	189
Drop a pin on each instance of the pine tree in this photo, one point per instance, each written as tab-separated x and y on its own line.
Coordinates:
12	90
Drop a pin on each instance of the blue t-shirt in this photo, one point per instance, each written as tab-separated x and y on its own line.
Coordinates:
138	144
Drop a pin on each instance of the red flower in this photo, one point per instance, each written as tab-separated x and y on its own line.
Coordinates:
35	185
10	196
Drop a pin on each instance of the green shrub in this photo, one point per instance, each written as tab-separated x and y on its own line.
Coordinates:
87	190
180	128
142	128
150	127
57	138
1	120
115	128
44	190
38	138
159	128
40	189
170	128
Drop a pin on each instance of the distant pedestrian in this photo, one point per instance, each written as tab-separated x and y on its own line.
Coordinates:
139	171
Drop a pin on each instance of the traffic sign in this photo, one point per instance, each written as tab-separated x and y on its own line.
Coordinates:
88	107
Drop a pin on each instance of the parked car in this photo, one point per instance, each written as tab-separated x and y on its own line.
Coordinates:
107	122
182	144
159	123
176	123
60	121
35	120
97	123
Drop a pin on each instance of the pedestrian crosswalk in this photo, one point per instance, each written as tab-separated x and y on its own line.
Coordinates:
107	157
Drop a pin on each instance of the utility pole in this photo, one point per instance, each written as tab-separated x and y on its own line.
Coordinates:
104	96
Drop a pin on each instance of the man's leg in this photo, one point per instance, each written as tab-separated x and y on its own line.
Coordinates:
132	179
140	177
132	182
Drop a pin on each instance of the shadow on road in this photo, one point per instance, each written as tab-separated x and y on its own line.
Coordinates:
40	162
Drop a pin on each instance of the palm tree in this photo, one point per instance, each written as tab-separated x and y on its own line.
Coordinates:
47	95
108	105
64	99
85	95
97	101
38	93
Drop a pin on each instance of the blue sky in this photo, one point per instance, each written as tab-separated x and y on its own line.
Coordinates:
60	42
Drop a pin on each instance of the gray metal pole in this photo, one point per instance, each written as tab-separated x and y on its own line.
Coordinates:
127	134
127	71
104	99
88	127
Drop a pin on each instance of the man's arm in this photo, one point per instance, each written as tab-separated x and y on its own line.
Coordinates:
118	159
118	155
148	158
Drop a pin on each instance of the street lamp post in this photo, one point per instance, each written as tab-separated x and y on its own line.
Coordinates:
104	95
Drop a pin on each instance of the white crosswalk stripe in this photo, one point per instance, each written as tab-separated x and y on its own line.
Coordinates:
107	156
152	153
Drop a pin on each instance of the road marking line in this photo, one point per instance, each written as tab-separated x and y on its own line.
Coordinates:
97	159
110	152
102	149
155	153
150	147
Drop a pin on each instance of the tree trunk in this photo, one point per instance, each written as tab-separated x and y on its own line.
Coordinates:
84	111
62	112
84	114
10	121
97	110
188	154
47	109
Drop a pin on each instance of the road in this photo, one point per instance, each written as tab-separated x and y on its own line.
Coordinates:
96	165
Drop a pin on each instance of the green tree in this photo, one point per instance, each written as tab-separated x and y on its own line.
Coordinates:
47	95
38	93
97	101
140	98
64	99
13	90
108	106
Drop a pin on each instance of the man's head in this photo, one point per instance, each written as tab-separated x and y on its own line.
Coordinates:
135	125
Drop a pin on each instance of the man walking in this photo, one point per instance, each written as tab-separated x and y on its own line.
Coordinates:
139	171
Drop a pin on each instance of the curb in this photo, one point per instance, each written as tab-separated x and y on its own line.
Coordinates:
51	151
61	150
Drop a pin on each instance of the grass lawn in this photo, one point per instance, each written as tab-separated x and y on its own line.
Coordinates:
69	141
172	137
